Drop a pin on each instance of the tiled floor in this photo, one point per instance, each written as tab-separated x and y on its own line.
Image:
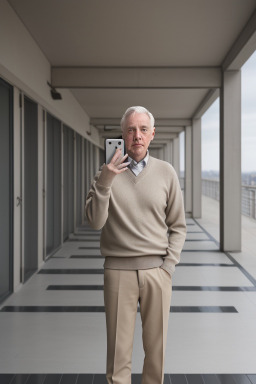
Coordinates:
136	379
55	325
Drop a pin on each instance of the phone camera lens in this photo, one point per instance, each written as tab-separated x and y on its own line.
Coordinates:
119	142
110	142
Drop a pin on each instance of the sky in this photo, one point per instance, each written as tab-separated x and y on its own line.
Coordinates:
210	124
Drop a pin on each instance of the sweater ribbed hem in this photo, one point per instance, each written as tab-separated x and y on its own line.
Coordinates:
133	263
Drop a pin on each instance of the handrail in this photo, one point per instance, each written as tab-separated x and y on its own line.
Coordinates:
211	188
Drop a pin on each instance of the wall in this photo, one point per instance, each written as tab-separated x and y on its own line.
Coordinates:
24	65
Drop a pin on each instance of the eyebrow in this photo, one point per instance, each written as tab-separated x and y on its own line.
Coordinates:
143	126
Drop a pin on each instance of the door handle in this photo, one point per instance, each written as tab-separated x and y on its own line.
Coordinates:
18	201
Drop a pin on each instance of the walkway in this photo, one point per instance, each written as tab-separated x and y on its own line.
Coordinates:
53	329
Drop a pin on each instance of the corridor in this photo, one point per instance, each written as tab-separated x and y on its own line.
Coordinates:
53	328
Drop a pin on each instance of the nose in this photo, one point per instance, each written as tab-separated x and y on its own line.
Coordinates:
137	135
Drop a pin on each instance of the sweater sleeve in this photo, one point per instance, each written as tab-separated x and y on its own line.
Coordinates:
97	203
176	223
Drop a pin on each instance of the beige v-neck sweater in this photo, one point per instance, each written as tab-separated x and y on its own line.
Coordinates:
142	218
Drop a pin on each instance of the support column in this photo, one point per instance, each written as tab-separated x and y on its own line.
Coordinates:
168	152
176	155
230	162
188	171
196	169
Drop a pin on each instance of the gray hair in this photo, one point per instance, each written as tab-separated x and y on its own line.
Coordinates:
137	109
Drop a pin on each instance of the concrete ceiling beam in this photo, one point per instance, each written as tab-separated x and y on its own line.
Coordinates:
115	122
243	47
136	77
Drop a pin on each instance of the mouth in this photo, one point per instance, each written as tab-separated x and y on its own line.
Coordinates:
137	145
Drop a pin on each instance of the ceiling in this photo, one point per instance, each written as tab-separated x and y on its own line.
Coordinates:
138	34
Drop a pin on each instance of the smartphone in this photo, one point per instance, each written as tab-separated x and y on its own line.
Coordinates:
111	146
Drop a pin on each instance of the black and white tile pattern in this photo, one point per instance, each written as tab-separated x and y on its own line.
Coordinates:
55	325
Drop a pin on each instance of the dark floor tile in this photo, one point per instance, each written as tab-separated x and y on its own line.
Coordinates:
210	379
167	379
69	379
204	265
203	309
212	288
136	378
49	271
95	309
201	250
100	379
86	257
54	309
85	379
241	379
82	240
52	379
6	378
36	379
252	378
74	288
226	379
178	379
20	379
194	379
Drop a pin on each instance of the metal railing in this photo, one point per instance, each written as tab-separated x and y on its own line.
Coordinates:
211	189
249	201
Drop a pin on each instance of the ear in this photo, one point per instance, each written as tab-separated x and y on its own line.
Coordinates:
153	133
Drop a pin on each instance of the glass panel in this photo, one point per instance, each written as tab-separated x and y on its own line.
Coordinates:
30	187
78	180
6	199
68	182
53	230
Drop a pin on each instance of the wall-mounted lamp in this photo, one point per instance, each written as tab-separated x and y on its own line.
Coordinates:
55	94
90	131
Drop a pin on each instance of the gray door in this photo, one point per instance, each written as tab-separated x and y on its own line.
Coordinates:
6	189
53	227
68	181
30	188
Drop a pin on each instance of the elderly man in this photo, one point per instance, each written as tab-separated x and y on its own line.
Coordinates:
138	204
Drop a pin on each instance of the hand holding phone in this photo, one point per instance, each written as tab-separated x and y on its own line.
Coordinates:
111	146
115	161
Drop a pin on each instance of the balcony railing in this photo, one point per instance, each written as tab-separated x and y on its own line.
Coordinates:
211	189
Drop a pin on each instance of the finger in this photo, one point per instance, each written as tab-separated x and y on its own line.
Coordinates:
116	156
122	165
122	170
120	160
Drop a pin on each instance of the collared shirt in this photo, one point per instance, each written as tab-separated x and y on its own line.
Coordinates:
135	167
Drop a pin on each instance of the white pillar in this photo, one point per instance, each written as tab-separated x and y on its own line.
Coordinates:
230	162
168	151
161	153
188	170
176	155
196	169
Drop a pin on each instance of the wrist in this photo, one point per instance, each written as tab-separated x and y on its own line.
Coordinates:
106	177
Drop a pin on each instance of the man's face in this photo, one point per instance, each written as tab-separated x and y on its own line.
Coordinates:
137	135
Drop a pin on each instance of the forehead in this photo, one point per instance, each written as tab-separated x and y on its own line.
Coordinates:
141	119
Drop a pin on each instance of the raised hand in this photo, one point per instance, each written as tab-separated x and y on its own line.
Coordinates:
115	167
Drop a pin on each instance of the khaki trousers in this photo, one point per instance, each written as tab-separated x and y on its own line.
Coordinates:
123	290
